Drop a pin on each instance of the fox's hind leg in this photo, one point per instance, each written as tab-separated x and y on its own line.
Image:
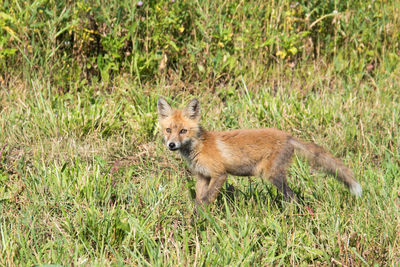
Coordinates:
275	167
278	171
279	180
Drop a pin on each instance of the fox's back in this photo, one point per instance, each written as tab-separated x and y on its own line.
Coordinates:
242	150
252	136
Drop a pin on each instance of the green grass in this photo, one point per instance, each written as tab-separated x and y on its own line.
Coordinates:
86	180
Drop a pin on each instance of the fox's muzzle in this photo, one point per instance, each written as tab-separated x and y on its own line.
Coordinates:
173	146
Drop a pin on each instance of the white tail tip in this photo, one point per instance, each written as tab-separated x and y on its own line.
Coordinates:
356	189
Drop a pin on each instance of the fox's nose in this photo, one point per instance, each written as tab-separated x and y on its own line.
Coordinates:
171	145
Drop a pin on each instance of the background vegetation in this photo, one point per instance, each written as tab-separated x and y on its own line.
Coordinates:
85	179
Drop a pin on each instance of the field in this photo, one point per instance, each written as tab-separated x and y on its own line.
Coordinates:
85	179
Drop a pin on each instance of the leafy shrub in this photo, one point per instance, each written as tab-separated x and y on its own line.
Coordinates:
78	42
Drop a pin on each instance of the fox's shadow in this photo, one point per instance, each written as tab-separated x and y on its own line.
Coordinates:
255	192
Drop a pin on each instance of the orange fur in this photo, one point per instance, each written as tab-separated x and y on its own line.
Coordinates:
256	152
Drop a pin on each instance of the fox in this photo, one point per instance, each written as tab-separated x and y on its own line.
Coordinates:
212	155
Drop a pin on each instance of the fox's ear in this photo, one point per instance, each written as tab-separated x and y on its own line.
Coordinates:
164	109
192	110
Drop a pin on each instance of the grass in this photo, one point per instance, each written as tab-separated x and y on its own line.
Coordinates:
85	179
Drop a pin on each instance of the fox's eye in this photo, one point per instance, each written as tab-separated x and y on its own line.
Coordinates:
183	131
168	130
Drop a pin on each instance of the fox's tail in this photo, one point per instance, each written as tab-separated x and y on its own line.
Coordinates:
318	156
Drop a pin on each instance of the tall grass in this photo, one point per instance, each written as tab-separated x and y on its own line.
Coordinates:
86	180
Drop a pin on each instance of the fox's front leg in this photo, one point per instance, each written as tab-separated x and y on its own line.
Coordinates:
201	188
208	192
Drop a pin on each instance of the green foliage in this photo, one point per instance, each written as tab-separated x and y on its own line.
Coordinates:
80	42
7	34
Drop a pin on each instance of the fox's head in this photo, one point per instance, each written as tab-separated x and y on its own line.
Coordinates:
179	127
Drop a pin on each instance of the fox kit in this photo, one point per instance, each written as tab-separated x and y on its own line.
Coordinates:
258	152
